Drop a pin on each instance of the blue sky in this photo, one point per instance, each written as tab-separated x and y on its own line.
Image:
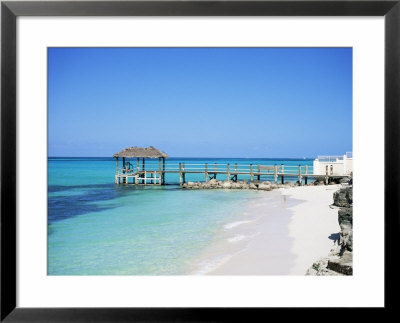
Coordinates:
200	102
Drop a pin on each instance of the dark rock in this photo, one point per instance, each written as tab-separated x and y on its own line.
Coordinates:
345	180
319	182
343	197
343	265
345	218
345	215
346	238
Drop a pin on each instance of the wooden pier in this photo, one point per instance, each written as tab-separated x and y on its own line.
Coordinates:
155	173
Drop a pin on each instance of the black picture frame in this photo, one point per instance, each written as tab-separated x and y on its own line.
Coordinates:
10	10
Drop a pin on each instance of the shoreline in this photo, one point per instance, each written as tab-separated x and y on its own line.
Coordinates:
314	226
282	232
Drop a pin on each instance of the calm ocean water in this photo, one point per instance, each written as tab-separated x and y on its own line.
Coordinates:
98	228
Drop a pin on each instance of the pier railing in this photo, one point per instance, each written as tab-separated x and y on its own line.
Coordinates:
153	172
224	168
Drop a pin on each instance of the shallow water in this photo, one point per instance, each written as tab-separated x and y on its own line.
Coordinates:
98	228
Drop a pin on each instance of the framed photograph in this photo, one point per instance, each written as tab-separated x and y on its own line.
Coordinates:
177	160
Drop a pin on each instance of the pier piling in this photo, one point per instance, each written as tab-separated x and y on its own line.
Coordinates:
326	175
180	174
300	177
117	174
183	173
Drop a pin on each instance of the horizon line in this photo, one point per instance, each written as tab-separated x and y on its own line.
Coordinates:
210	157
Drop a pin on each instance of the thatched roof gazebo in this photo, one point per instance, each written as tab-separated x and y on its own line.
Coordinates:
140	175
139	152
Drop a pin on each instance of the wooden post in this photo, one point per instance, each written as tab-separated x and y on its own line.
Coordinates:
236	170
163	175
117	174
326	175
183	173
306	177
300	179
159	170
228	173
180	174
123	170
258	170
206	172
251	172
137	170
144	169
276	173
282	172
215	170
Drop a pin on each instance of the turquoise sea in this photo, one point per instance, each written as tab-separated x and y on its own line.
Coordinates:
96	227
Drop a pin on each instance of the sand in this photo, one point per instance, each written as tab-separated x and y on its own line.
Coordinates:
290	230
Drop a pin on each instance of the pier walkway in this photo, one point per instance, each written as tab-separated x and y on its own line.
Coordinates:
155	174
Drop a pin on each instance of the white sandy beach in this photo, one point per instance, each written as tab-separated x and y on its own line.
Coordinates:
314	225
293	227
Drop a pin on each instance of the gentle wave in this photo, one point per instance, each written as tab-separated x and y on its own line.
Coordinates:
208	266
237	238
235	224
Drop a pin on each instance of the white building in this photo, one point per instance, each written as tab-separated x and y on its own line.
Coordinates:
334	165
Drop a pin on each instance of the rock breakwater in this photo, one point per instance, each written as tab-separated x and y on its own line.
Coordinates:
240	185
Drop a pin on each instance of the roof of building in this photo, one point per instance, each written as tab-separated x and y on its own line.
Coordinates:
141	152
